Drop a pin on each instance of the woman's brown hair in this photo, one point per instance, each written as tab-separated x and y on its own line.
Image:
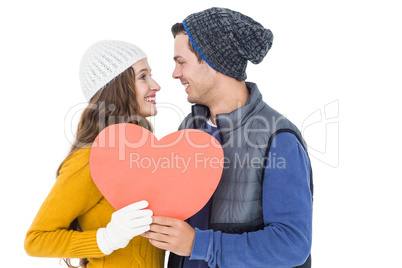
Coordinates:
114	103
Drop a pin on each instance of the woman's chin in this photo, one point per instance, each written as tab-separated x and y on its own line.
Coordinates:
149	113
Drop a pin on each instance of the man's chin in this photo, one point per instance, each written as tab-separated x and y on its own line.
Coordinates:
191	100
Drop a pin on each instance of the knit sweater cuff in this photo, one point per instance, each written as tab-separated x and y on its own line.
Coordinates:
86	245
202	241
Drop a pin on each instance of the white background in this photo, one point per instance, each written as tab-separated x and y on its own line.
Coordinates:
340	60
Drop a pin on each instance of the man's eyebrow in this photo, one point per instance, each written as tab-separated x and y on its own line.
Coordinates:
175	58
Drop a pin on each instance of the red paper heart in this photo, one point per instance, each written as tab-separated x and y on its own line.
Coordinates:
177	175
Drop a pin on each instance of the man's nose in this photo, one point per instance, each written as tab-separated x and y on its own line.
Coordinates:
176	73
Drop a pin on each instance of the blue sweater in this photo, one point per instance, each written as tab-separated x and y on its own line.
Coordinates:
287	210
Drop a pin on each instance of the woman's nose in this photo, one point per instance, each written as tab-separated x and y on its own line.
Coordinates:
155	86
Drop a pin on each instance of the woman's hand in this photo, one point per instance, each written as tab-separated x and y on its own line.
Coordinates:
126	223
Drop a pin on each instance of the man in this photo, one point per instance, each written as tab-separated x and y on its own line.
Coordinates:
261	213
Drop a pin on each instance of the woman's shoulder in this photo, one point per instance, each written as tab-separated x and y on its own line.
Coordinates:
76	160
81	154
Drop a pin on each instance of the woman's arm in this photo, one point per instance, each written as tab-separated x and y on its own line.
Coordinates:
73	194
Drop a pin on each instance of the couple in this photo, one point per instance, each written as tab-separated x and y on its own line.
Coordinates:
257	217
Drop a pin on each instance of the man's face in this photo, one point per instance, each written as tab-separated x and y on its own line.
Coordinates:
197	78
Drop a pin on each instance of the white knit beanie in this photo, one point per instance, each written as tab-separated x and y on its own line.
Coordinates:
105	60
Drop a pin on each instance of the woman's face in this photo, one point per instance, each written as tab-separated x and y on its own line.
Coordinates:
146	88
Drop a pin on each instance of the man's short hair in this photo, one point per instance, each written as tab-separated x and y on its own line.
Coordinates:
178	28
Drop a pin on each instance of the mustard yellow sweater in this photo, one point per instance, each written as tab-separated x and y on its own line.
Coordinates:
74	195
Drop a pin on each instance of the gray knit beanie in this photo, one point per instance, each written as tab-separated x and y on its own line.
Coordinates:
105	60
227	39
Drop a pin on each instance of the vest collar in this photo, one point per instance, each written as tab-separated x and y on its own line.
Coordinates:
229	122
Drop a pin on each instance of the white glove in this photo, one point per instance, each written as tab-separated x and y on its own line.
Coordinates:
126	223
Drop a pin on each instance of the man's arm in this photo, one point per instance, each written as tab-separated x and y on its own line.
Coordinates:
287	206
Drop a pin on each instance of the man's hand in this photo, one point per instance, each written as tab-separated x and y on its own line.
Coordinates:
170	234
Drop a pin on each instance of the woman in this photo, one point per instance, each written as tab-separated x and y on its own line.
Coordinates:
75	220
